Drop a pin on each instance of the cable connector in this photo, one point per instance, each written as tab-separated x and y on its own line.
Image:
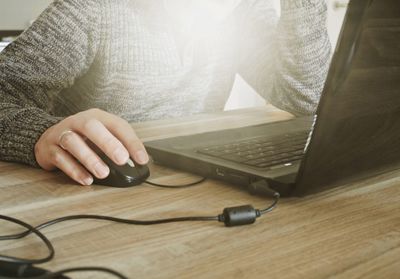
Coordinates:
246	214
262	188
239	215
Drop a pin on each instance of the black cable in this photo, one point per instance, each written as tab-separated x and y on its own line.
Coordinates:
112	219
135	222
21	266
57	274
265	189
176	186
31	229
18	236
132	222
234	216
272	206
38	273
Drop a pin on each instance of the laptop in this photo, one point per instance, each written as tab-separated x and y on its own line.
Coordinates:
355	133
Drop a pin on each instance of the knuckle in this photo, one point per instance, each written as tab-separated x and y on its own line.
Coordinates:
56	158
94	111
71	118
135	143
110	143
89	123
68	139
91	161
76	174
71	121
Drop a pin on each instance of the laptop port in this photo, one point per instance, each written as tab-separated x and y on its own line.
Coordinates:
220	172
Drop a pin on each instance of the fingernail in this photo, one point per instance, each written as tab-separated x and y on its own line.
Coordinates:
141	157
87	181
101	170
121	156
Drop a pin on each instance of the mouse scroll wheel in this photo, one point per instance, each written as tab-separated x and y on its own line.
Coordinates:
131	163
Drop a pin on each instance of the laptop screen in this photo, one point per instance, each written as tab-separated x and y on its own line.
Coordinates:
357	132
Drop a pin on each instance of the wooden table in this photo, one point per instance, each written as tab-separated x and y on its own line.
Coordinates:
348	232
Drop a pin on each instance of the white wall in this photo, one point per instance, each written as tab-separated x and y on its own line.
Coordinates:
17	14
336	13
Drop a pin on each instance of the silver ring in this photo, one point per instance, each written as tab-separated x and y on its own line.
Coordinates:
63	134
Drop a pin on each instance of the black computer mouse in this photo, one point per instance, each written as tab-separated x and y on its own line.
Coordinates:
130	174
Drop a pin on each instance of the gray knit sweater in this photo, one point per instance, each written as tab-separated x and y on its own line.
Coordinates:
130	58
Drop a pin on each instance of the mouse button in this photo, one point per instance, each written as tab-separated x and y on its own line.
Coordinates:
124	169
143	169
137	177
141	172
131	163
113	172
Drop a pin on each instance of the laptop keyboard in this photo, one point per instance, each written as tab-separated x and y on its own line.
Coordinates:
262	152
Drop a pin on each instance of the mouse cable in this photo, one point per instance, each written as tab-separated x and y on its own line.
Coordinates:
12	267
233	216
176	186
57	274
32	272
33	230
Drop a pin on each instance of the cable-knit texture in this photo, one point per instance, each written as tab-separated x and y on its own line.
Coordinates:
130	59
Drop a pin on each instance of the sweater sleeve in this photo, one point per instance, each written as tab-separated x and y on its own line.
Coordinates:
286	59
49	56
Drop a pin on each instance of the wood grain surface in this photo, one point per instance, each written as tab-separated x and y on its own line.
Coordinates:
348	232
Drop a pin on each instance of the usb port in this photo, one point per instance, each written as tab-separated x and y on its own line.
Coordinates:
220	172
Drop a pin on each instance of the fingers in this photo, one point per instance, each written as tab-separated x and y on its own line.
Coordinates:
114	136
78	148
97	133
130	140
67	164
77	158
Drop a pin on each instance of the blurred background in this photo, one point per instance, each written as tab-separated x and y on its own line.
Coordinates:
17	15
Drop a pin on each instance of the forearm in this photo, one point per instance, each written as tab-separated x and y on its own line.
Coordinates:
303	56
20	129
24	106
56	50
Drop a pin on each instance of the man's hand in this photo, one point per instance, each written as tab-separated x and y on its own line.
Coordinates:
67	145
